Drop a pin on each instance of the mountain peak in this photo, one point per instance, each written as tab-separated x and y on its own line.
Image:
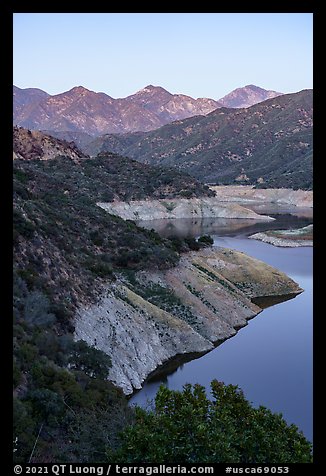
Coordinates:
79	90
252	86
258	89
150	89
247	96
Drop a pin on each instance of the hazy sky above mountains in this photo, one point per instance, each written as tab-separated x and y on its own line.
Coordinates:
199	54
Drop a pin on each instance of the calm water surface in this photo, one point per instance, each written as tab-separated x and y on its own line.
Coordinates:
271	358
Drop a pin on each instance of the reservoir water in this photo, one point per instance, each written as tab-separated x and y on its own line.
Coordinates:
271	358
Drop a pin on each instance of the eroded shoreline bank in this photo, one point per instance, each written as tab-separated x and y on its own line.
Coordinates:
205	207
157	316
152	319
287	238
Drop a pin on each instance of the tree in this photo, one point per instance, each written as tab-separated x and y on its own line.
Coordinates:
187	427
90	360
24	430
37	310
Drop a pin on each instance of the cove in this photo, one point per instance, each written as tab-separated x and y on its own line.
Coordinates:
271	358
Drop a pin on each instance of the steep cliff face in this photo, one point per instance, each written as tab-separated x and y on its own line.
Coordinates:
147	320
205	207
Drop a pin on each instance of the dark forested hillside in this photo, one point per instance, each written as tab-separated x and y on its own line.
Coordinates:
268	145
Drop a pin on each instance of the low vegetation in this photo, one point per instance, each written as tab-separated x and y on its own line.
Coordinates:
61	397
189	427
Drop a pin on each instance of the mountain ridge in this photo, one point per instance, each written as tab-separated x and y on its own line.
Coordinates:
82	110
266	145
95	113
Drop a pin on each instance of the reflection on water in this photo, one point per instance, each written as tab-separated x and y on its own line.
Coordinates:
267	301
186	227
270	358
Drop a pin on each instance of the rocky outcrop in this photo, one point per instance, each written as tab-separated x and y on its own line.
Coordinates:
206	207
248	194
155	317
287	238
30	145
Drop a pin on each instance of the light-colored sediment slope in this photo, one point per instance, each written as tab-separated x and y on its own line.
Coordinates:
205	207
156	316
247	194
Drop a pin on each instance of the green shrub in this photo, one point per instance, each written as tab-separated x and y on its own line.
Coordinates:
192	243
20	175
22	226
24	430
36	310
206	240
47	405
27	354
98	267
90	360
187	427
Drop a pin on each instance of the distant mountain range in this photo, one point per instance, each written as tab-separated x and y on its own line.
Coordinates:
268	144
83	111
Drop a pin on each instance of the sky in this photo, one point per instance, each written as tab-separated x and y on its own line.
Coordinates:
198	54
